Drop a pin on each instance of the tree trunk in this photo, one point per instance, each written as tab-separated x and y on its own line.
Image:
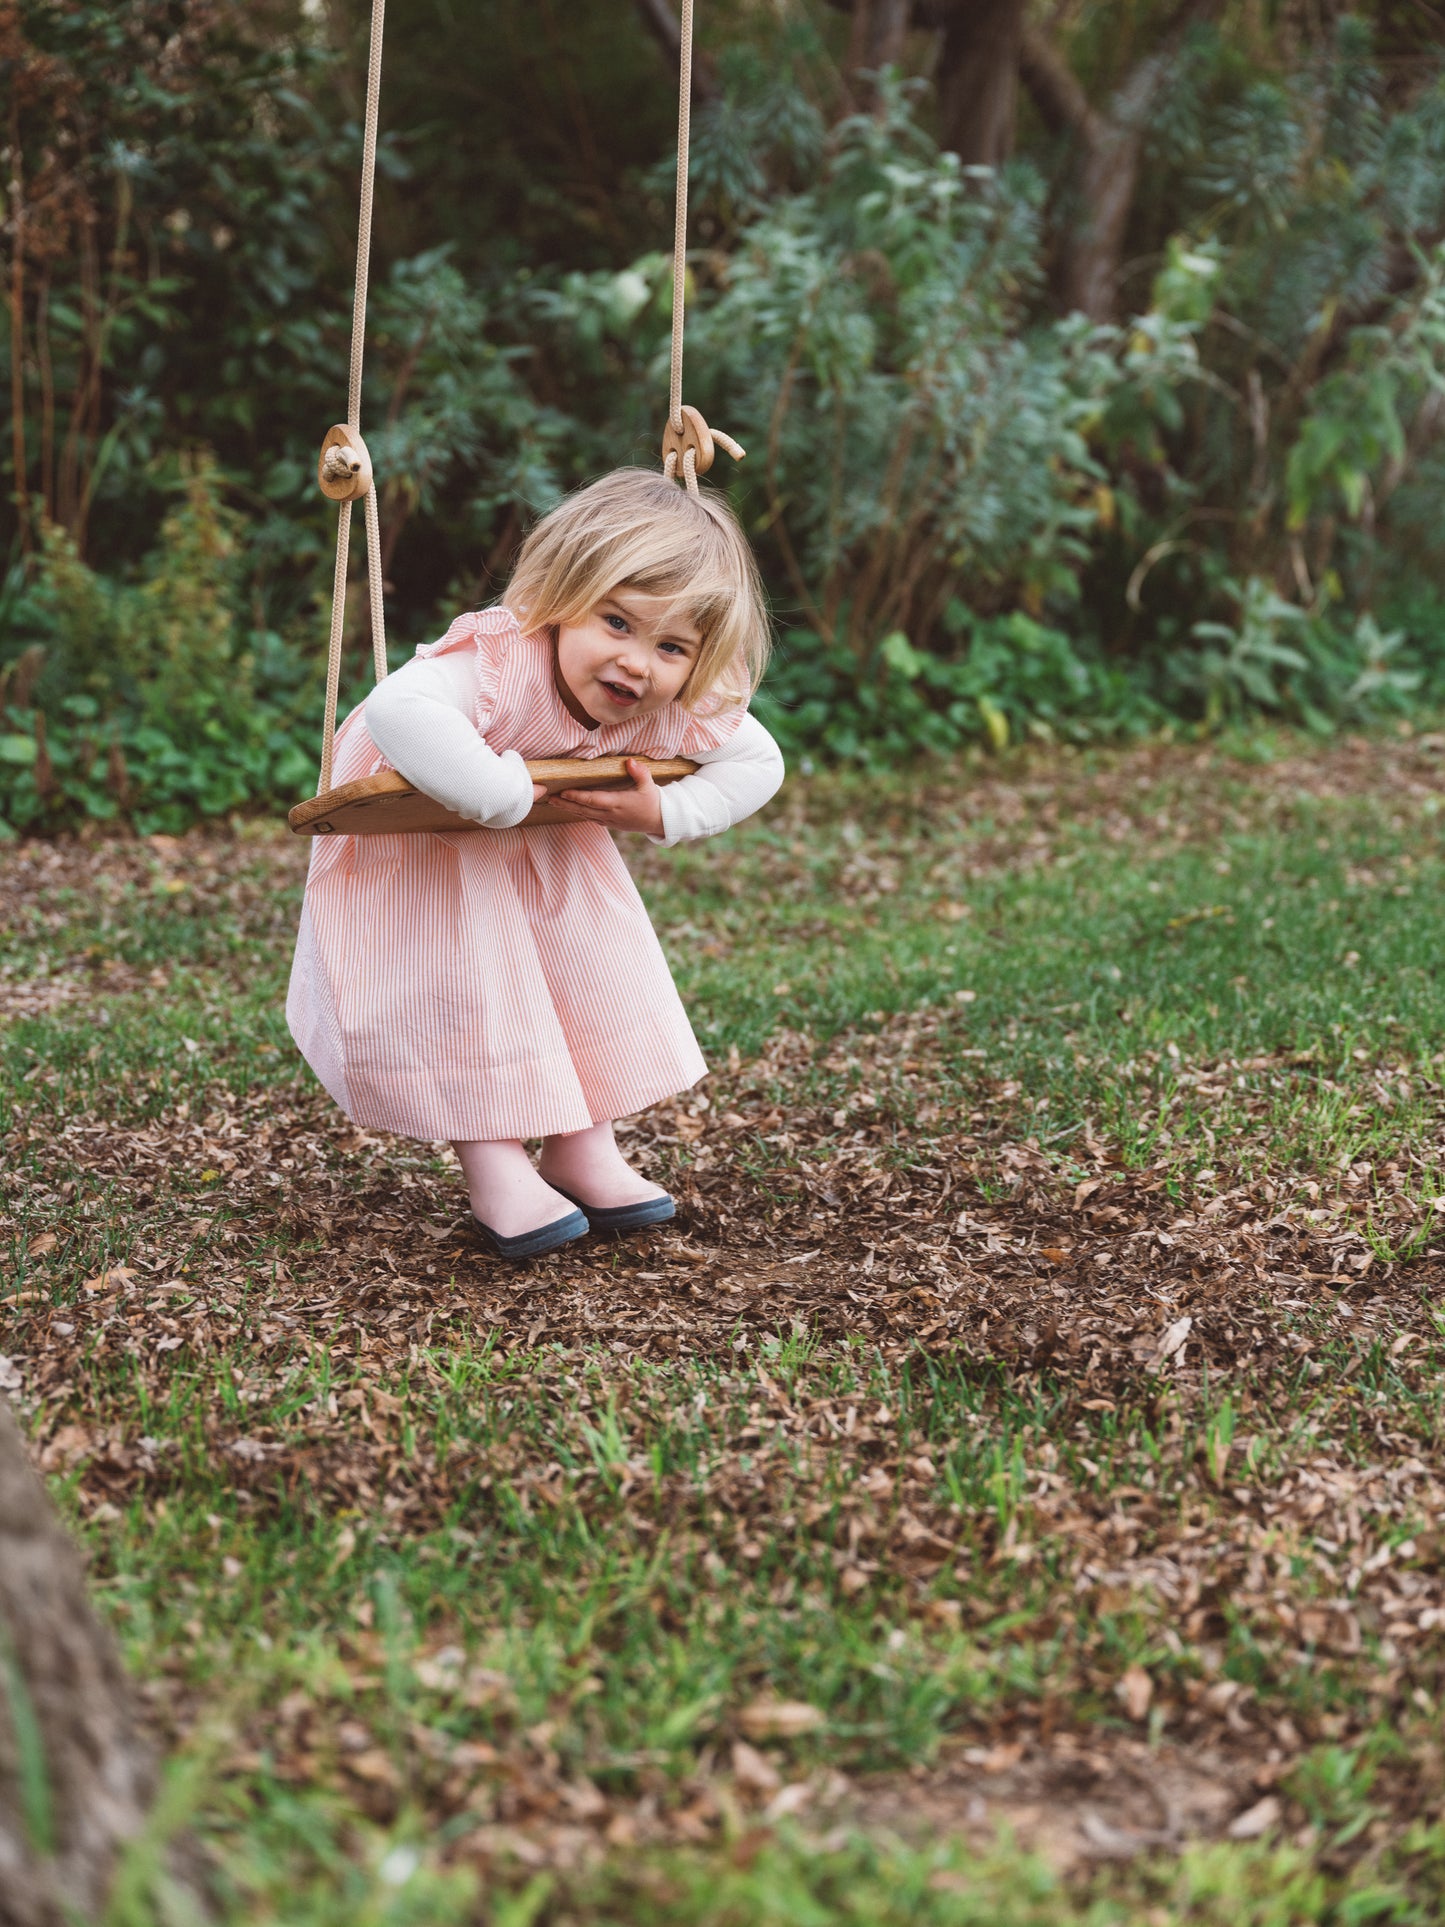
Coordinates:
75	1776
877	35
666	29
887	34
1092	245
978	70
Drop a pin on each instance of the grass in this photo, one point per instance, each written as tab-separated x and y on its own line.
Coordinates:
1009	1496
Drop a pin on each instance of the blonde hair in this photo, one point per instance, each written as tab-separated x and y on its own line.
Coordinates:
635	529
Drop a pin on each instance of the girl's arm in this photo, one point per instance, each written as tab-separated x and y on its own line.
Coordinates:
734	781
420	719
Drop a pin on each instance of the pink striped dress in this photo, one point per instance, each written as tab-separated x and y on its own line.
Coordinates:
483	984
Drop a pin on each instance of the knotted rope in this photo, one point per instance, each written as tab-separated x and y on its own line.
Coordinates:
344	468
688	440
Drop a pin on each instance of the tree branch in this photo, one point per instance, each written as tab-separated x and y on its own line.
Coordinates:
1062	104
663	24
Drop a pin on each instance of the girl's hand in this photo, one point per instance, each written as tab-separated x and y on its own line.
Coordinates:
639	808
539	792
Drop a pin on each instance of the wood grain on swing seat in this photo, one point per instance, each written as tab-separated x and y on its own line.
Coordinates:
387	805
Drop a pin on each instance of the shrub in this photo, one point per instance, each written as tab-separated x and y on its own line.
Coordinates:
913	429
140	699
1009	679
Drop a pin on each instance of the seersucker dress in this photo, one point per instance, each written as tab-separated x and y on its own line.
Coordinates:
481	984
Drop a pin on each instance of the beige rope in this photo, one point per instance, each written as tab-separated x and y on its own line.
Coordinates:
353	421
333	654
679	222
374	584
687	430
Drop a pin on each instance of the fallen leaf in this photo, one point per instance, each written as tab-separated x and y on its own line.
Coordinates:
372	1765
1256	1820
37	1248
779	1719
116	1279
751	1769
586	1801
1110	1842
70	1443
792	1799
1173	1339
1136	1689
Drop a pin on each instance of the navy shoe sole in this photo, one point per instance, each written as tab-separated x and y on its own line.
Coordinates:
532	1244
626	1217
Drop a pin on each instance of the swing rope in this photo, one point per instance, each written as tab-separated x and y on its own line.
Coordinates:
344	470
679	222
688	441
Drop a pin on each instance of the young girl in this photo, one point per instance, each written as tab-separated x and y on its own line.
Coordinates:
493	988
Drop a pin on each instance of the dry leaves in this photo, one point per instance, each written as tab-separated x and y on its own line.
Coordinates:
931	1237
1136	1690
780	1719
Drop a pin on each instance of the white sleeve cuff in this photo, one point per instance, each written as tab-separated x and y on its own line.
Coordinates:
516	811
733	781
692	807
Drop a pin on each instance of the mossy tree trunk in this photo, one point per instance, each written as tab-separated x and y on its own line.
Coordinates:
76	1776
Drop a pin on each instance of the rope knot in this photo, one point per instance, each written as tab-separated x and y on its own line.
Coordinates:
689	445
343	468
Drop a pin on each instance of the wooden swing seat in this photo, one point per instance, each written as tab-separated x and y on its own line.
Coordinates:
387	805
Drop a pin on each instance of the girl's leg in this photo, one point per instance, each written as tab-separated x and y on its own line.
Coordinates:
589	1166
505	1191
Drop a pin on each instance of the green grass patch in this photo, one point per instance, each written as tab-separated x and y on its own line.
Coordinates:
637	1590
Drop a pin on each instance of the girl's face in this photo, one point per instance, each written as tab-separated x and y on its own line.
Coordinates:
629	657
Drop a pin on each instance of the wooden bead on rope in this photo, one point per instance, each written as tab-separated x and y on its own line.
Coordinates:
343	468
695	440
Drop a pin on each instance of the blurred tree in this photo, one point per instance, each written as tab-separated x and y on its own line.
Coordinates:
168	249
76	1775
977	77
981	51
1107	144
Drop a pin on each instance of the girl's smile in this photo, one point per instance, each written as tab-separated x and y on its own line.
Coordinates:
629	657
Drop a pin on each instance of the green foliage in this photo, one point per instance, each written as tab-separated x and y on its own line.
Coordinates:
911	424
979	519
1298	206
1280	658
1008	678
155	778
145	696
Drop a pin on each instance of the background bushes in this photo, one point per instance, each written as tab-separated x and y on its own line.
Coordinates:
983	513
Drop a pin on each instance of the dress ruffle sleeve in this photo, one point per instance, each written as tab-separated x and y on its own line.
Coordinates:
701	730
491	634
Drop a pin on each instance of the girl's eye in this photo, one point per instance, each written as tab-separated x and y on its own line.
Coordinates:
672	648
618	624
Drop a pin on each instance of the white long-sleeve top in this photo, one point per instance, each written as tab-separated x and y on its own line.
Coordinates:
420	718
